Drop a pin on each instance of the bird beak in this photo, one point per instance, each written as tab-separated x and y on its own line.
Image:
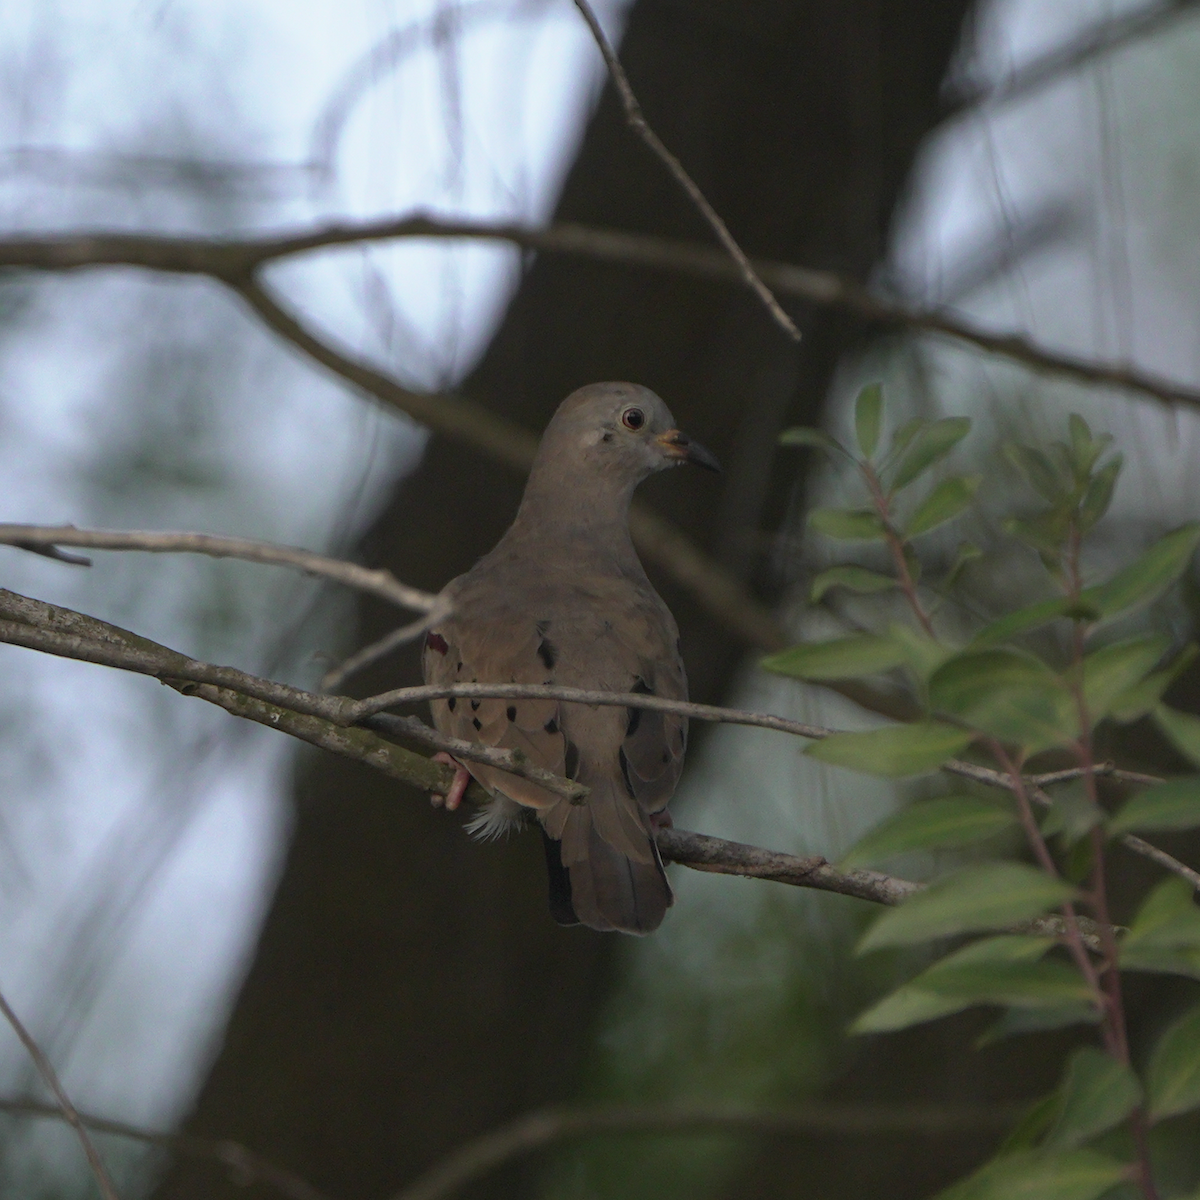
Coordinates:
677	445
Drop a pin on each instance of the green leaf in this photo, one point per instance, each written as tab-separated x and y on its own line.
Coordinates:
1165	934
1099	494
1162	960
868	417
1171	805
1072	814
1182	730
1019	985
944	503
1039	1175
1114	669
967	552
894	751
1143	581
848	524
920	1000
816	439
946	821
1137	701
1038	470
1083	449
1097	1093
972	900
1168	917
1173	1077
854	579
1037	1019
903	436
928	446
1031	1126
1033	616
922	653
1045	532
842	658
1008	695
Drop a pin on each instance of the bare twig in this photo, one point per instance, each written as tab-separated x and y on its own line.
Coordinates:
243	1164
378	582
234	261
50	1077
636	120
536	1130
336	676
526	691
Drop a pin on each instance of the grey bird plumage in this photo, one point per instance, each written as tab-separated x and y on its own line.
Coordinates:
563	599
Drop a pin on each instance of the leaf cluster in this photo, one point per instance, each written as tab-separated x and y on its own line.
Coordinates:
1007	931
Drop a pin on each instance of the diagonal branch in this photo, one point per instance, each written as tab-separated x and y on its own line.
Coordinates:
50	1077
242	1163
636	120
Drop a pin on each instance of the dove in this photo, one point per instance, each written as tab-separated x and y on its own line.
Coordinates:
563	599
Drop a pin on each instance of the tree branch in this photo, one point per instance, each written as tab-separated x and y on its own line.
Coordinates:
377	582
636	120
234	261
242	1163
542	1128
50	1077
358	730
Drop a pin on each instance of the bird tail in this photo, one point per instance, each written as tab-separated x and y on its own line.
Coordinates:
600	885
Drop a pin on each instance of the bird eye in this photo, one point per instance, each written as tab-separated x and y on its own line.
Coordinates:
633	418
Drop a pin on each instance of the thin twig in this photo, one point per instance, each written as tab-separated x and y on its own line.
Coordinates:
50	1077
336	676
242	1163
536	1130
636	120
378	582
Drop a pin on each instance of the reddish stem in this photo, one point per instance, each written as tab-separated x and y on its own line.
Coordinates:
895	543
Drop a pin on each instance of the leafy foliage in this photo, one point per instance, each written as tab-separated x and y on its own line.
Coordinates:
1009	933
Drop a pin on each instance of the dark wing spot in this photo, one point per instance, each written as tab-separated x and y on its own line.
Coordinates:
571	764
511	712
475	705
632	721
551	726
477	723
435	641
541	627
450	704
642	687
607	437
625	774
547	653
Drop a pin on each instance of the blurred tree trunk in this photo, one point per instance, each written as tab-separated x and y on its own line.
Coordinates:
409	989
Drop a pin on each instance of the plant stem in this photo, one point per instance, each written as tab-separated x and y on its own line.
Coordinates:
895	544
1041	852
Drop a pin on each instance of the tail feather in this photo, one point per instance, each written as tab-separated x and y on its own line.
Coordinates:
608	890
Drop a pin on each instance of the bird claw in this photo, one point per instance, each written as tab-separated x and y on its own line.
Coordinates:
453	798
661	820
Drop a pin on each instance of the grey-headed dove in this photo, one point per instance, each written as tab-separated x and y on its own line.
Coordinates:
563	599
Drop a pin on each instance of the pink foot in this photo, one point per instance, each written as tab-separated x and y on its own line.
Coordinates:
661	820
453	798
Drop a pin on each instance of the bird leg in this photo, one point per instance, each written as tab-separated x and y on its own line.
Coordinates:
661	820
453	798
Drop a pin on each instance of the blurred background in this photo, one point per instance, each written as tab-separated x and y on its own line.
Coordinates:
209	929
